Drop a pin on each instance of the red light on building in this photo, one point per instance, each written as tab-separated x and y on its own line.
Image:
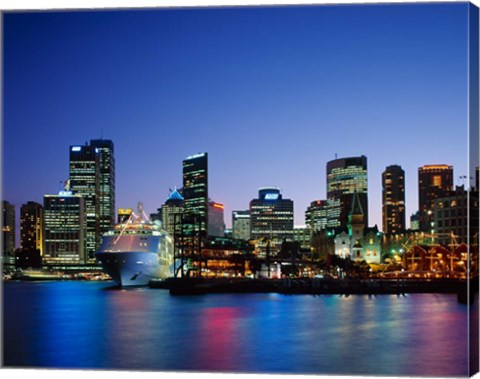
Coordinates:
217	205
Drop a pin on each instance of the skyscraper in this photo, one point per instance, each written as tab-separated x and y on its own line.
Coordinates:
456	217
31	227
344	177
216	221
434	181
171	212
241	225
85	181
195	192
106	188
271	220
316	215
92	175
8	229
64	228
393	200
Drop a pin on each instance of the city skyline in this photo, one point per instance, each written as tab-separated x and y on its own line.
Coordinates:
271	105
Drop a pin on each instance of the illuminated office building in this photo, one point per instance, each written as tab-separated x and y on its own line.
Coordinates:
31	227
456	217
216	221
64	228
241	225
393	200
434	181
271	220
84	181
195	193
316	215
303	235
8	229
92	175
106	187
171	212
344	177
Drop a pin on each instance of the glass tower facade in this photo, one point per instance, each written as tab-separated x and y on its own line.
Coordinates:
434	181
195	192
344	177
171	213
241	225
92	175
31	227
64	228
271	220
393	200
316	216
106	186
8	229
85	181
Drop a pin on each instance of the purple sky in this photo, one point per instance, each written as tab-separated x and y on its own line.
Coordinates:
271	94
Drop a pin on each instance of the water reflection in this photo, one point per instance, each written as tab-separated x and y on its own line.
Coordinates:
81	325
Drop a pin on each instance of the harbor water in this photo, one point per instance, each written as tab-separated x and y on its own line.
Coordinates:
90	325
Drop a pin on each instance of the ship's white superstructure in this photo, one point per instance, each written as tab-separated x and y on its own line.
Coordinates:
136	251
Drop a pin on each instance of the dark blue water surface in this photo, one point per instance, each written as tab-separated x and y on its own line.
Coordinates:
90	325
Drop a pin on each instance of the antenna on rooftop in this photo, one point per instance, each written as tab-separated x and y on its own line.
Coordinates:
336	155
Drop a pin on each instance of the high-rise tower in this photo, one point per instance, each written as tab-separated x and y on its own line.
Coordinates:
106	188
434	181
344	177
241	225
171	213
316	215
8	229
65	226
195	192
393	200
271	220
31	227
85	181
92	175
216	223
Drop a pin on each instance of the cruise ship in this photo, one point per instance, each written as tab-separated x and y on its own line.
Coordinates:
136	251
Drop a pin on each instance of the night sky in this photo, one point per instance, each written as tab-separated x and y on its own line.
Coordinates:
270	93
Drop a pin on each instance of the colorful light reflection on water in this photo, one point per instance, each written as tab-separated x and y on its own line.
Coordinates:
90	325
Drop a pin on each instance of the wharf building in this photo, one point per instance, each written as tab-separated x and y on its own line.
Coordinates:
195	193
357	241
8	230
241	225
393	200
316	215
31	227
65	226
216	221
434	181
271	221
344	177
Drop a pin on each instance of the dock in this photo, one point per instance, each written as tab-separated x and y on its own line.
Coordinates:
316	286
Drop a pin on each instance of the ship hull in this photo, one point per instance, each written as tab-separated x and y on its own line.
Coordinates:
132	268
